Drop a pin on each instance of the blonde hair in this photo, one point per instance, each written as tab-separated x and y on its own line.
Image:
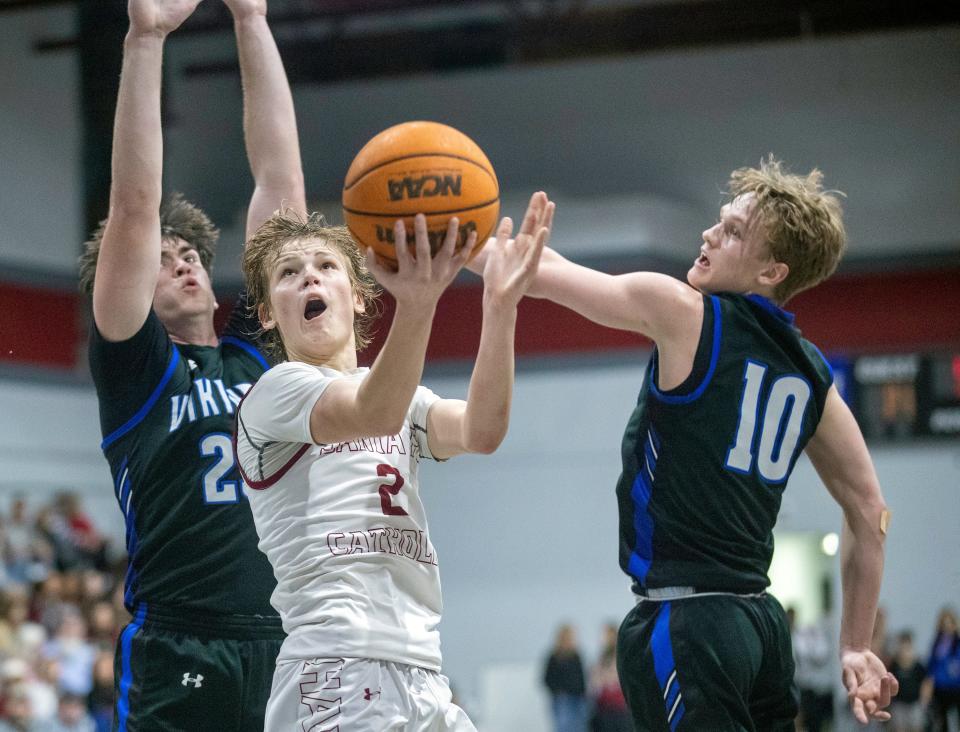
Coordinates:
178	218
264	248
802	223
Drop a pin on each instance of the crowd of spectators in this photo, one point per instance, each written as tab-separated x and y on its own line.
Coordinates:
61	611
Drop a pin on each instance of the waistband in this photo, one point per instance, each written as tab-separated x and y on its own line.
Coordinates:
662	594
210	625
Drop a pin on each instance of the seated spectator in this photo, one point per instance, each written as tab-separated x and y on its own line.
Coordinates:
101	697
72	716
17	712
70	648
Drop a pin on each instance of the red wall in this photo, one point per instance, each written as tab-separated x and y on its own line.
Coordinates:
868	313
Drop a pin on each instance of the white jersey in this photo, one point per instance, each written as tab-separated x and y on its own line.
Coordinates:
342	524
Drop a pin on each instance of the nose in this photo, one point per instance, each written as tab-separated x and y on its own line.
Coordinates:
710	235
310	277
183	267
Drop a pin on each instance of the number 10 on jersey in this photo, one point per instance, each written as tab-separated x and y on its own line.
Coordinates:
778	421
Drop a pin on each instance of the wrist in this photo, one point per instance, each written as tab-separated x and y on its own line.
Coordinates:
498	306
249	19
144	37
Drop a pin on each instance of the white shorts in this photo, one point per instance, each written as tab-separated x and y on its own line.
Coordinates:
360	695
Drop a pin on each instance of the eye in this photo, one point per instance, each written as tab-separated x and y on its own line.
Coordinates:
328	265
190	258
287	272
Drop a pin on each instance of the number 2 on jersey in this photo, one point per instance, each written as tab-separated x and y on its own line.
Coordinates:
782	417
390	489
217	490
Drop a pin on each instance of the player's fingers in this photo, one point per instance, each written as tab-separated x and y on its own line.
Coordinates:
532	256
858	711
504	230
537	201
850	682
461	257
449	247
402	252
378	271
883	698
894	685
422	242
546	220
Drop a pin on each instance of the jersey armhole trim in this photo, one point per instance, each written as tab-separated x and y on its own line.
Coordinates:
148	405
260	485
248	347
825	361
714	356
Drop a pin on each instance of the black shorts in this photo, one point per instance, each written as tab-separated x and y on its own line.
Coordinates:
176	674
722	663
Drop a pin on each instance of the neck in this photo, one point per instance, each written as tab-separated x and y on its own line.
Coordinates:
343	360
193	332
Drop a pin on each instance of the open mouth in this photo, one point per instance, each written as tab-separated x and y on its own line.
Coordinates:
702	261
314	309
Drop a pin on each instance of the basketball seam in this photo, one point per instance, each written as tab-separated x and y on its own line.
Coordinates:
367	172
425	213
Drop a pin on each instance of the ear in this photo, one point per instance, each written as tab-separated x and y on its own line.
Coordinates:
773	274
358	306
263	312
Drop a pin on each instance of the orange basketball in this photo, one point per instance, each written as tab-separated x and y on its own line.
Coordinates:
419	167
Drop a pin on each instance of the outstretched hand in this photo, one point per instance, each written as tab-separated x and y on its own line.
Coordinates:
869	685
511	264
158	17
419	281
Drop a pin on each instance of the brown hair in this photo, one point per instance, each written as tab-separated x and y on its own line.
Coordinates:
178	218
802	223
264	248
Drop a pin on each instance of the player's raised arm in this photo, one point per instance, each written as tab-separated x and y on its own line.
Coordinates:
650	303
378	406
269	122
840	456
129	259
480	423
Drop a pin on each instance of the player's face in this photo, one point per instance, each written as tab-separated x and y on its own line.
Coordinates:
312	302
183	286
733	253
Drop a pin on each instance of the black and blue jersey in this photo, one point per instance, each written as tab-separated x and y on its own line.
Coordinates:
166	416
705	464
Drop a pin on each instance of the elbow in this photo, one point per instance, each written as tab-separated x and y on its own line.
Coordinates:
485	442
385	424
869	516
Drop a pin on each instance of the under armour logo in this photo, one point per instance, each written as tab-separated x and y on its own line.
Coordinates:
195	680
368	695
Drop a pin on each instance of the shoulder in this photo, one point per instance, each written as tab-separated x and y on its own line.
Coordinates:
287	376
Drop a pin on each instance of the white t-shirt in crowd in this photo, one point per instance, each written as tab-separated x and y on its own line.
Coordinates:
342	524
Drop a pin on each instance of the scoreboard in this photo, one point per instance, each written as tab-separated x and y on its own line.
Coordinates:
902	396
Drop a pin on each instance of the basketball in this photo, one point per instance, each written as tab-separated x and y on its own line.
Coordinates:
419	167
